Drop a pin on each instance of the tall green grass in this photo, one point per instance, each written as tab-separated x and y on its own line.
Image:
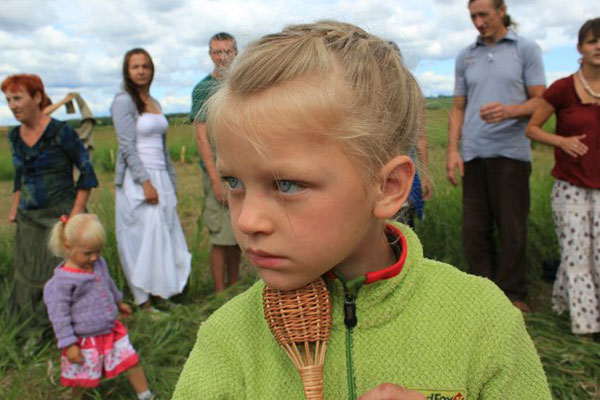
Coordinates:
7	171
571	362
180	145
105	209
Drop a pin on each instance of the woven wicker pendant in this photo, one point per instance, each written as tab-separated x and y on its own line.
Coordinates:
300	320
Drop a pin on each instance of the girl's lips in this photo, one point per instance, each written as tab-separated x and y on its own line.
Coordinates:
263	259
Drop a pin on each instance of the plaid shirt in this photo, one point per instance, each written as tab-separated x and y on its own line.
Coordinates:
44	172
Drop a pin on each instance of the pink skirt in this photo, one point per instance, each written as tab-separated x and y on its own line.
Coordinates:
108	355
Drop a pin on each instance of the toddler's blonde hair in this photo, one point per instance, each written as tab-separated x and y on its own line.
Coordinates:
79	229
338	79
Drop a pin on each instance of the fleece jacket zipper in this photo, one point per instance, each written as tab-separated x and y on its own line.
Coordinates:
350	320
351	289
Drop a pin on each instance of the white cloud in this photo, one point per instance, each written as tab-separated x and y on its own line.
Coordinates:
79	44
26	15
6	115
175	103
433	84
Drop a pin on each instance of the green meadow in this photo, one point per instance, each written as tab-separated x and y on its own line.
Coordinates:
572	363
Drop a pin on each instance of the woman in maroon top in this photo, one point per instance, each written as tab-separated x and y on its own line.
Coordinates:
576	194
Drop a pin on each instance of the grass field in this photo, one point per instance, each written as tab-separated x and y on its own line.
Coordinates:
572	363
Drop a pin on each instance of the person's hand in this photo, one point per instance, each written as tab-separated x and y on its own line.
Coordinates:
573	145
124	309
426	187
453	161
74	354
12	214
494	112
69	97
390	391
150	192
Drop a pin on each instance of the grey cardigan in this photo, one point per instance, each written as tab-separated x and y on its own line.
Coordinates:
125	115
81	304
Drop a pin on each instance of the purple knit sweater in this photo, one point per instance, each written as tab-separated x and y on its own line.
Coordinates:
81	304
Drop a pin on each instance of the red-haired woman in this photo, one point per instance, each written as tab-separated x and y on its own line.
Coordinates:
152	247
44	152
576	194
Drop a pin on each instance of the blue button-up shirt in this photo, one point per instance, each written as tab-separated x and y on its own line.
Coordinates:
44	172
501	73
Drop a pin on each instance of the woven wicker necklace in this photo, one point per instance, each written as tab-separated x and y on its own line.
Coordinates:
587	87
300	320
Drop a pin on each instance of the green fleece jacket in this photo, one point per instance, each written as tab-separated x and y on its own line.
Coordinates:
431	328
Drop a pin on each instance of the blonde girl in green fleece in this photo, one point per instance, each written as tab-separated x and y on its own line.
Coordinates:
312	128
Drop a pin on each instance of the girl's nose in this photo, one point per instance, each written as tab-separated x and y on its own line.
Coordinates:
253	216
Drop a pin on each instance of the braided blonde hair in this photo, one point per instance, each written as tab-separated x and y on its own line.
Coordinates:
349	85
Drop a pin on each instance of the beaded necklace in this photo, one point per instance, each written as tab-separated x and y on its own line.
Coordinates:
586	86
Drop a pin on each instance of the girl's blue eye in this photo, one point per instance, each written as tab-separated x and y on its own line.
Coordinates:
233	183
288	187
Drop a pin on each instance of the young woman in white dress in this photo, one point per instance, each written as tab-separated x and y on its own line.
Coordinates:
151	244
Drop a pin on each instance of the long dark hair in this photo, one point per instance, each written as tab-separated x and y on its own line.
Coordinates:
128	84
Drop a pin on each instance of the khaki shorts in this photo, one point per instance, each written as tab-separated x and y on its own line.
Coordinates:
216	216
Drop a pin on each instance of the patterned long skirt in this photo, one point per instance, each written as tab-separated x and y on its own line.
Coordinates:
34	263
576	213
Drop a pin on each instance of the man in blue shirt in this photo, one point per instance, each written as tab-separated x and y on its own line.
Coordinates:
498	82
224	252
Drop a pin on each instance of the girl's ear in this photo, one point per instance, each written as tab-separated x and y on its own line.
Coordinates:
395	178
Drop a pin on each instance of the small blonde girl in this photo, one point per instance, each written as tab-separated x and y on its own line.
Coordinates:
83	302
312	128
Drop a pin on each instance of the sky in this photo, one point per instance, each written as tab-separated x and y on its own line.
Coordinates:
78	45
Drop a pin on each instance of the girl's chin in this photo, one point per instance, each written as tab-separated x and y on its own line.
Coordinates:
283	284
